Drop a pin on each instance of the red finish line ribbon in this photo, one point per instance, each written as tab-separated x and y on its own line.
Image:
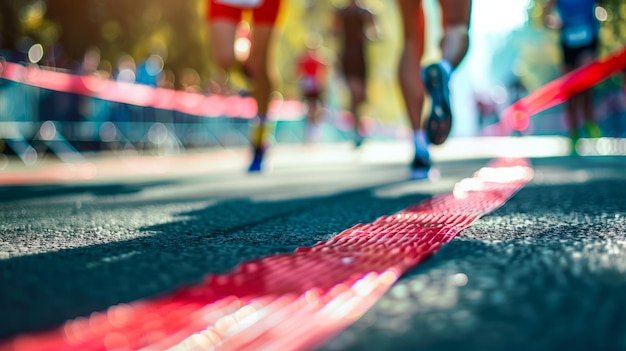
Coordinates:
146	96
563	88
291	301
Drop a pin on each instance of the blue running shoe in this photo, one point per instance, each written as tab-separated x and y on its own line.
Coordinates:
420	167
439	122
257	160
358	141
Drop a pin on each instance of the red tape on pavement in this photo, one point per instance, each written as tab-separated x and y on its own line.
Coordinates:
146	96
563	88
291	301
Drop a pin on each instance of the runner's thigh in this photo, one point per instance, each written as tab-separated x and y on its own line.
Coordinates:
455	11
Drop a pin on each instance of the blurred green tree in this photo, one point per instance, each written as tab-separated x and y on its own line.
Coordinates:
137	28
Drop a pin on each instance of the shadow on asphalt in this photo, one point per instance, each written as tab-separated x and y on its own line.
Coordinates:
47	289
25	192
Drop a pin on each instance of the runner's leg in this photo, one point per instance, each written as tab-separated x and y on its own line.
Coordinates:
258	65
586	99
409	66
410	79
356	86
455	18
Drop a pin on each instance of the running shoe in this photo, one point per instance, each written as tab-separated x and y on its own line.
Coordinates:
439	122
257	160
259	135
420	167
358	141
593	129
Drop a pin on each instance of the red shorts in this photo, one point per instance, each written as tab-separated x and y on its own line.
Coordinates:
267	13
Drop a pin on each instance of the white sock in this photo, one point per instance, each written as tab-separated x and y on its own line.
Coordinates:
447	65
313	132
420	142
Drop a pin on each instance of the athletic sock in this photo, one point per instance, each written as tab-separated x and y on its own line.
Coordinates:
420	142
313	133
447	66
260	131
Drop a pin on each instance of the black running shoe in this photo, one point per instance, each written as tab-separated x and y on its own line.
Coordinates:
420	167
439	122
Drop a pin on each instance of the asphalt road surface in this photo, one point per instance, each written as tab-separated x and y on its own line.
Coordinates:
546	271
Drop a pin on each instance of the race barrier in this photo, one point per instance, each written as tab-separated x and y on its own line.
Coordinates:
561	89
91	113
191	103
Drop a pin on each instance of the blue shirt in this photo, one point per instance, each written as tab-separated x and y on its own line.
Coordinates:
580	26
577	12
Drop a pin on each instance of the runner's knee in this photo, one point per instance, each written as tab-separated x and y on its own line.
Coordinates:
257	67
224	60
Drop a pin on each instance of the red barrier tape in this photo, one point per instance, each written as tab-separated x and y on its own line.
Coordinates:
291	301
561	89
147	96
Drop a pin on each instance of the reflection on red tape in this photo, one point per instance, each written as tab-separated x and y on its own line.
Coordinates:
291	301
146	96
563	88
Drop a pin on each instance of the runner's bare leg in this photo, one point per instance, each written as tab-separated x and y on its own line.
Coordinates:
455	18
409	67
222	39
260	68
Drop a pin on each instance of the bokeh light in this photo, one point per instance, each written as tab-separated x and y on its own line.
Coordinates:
35	53
601	13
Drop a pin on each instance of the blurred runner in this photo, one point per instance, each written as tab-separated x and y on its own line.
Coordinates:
579	30
224	17
455	18
355	25
312	72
